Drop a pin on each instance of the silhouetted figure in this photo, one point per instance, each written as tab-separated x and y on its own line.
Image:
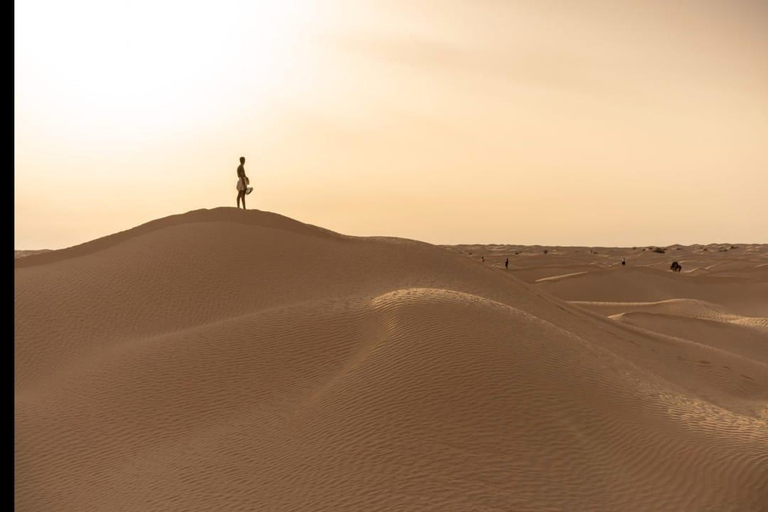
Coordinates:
623	262
506	264
242	182
676	267
482	258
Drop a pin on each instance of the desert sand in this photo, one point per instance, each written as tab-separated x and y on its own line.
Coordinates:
22	254
231	360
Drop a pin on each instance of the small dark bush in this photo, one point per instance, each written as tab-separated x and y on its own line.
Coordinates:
658	250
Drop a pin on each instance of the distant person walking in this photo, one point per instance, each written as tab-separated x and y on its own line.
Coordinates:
506	264
623	262
242	182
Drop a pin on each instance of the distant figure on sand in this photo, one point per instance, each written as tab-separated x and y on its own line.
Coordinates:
676	267
623	262
482	258
506	264
242	183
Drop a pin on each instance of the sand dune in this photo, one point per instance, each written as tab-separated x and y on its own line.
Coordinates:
739	295
231	360
22	254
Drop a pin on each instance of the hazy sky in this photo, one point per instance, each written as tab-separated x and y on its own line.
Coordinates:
597	122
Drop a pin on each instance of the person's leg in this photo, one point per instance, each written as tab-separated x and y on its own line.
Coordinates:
243	192
238	198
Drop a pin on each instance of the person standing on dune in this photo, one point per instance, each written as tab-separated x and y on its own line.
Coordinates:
242	182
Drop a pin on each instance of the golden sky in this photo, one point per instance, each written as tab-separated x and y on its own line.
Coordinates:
547	122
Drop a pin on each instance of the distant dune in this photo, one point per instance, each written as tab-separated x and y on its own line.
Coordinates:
21	254
232	360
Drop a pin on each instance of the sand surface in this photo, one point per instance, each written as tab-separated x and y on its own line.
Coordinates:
230	360
22	254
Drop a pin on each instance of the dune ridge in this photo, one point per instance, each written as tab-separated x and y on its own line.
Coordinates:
223	359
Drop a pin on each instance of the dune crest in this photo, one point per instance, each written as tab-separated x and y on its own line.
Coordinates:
224	359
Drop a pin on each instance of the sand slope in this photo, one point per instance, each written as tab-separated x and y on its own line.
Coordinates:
22	254
230	360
